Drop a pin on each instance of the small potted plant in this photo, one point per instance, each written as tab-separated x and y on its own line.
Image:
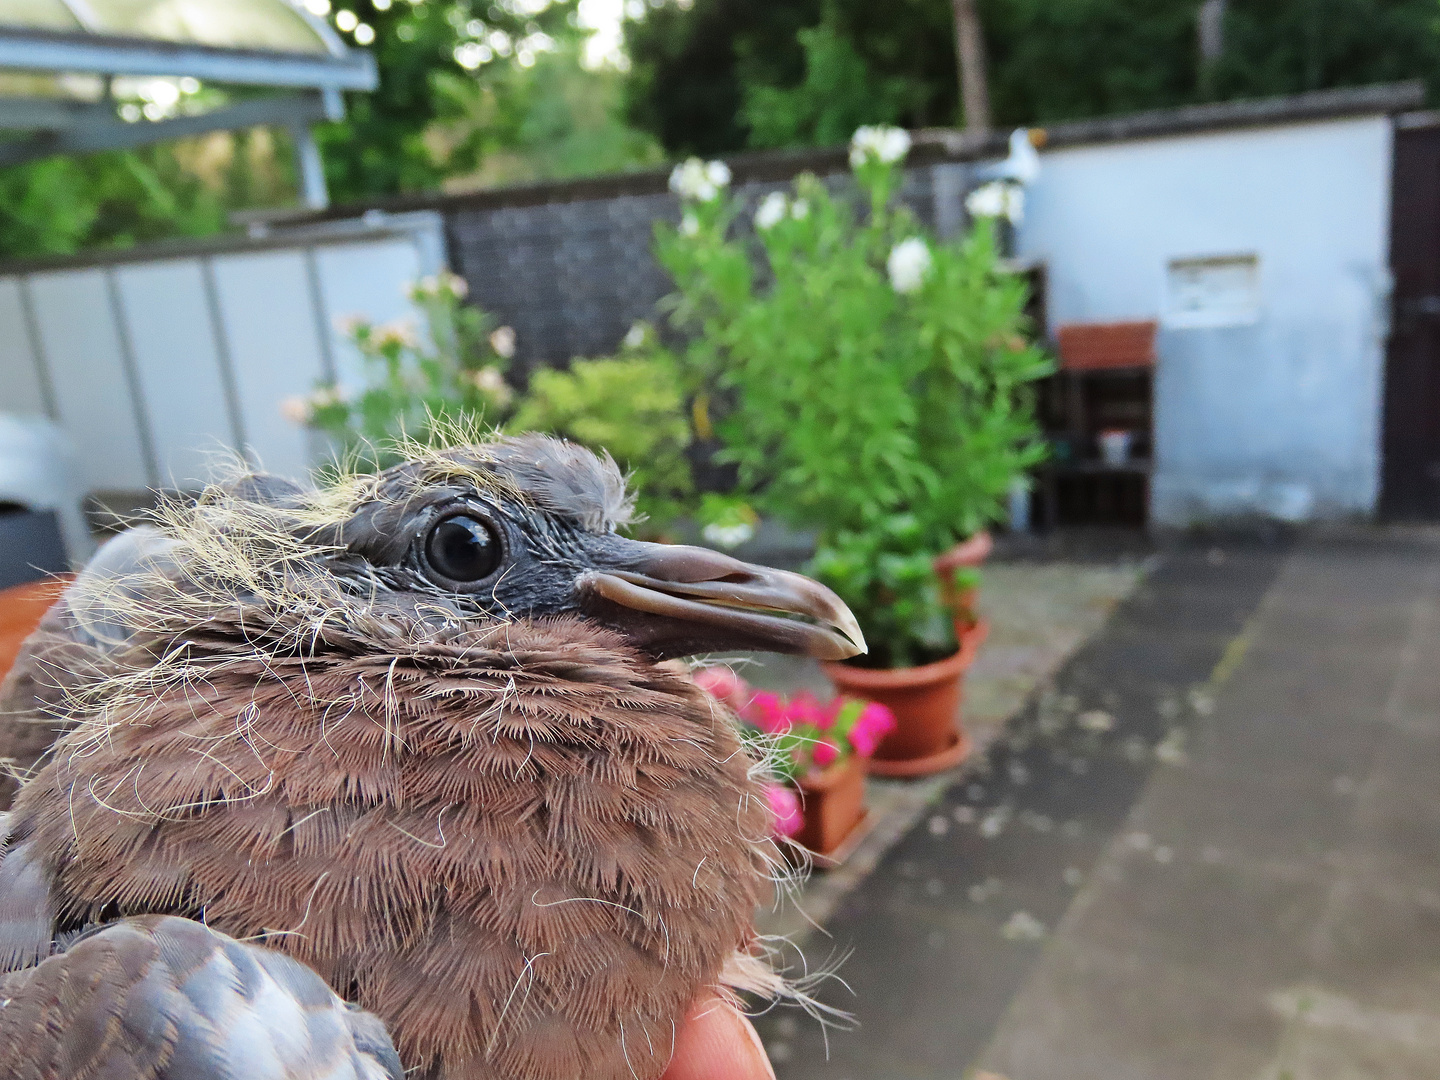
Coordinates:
817	751
875	390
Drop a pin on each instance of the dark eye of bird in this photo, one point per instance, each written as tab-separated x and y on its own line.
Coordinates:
462	549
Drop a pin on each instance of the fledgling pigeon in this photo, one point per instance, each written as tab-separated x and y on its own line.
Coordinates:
416	732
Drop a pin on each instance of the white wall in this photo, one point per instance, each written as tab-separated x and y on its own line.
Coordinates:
1281	417
153	366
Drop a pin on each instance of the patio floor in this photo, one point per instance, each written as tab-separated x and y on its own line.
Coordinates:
1208	848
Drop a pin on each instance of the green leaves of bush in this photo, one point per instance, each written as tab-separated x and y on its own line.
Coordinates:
884	406
630	405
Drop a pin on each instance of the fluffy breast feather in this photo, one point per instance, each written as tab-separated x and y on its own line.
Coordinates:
523	846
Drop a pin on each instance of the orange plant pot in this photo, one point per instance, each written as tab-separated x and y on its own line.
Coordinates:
21	609
833	805
928	735
1097	346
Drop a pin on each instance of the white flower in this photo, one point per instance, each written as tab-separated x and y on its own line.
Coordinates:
883	143
435	285
718	173
401	332
502	340
997	199
1015	206
772	210
908	264
800	209
491	383
296	409
635	336
728	536
699	180
458	286
350	324
326	396
689	225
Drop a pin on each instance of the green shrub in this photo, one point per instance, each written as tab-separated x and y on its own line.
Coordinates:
630	405
876	380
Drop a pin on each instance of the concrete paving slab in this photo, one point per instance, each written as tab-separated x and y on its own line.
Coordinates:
1293	931
956	916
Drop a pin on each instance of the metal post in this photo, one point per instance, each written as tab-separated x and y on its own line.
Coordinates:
313	190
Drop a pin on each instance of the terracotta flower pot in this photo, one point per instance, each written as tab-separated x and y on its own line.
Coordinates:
968	553
21	608
928	737
1091	346
833	803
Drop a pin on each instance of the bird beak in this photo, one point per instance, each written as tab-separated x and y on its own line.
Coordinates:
673	600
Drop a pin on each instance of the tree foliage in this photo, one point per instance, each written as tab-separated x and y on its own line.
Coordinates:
721	75
696	71
59	205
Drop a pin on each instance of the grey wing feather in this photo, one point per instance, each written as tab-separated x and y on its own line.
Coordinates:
75	637
164	998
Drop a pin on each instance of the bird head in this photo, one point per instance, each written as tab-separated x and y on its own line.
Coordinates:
526	527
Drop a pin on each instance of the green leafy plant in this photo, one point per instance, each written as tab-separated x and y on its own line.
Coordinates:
422	383
630	405
875	379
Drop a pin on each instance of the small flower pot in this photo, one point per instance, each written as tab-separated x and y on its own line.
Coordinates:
1097	346
928	736
969	553
833	804
21	608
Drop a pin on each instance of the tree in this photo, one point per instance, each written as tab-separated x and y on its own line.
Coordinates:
427	55
970	54
720	75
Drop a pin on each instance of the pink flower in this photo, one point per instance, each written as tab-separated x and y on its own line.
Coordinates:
804	709
873	724
785	805
825	753
722	683
767	712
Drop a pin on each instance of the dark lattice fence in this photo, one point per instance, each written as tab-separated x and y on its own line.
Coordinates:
572	274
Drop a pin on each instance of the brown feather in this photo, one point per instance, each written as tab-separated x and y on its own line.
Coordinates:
522	845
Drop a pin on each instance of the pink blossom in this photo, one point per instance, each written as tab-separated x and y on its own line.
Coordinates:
873	724
767	712
825	753
785	805
722	683
804	709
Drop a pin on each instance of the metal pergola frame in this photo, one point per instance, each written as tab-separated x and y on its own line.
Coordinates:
313	83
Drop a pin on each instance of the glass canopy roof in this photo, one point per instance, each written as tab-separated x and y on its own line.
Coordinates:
267	25
83	75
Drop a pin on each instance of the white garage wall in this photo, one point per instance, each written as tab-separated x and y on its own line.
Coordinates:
1280	417
275	356
80	343
158	365
167	316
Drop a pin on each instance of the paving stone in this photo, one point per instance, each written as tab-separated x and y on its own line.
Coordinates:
955	917
1293	931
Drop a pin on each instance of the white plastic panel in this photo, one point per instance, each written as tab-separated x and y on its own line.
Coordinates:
368	279
178	364
82	347
20	387
273	332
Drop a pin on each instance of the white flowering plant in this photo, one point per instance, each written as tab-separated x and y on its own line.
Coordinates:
420	380
869	381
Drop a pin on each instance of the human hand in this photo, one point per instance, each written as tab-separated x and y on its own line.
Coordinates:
717	1042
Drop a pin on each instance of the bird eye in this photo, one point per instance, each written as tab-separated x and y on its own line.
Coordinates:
462	548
